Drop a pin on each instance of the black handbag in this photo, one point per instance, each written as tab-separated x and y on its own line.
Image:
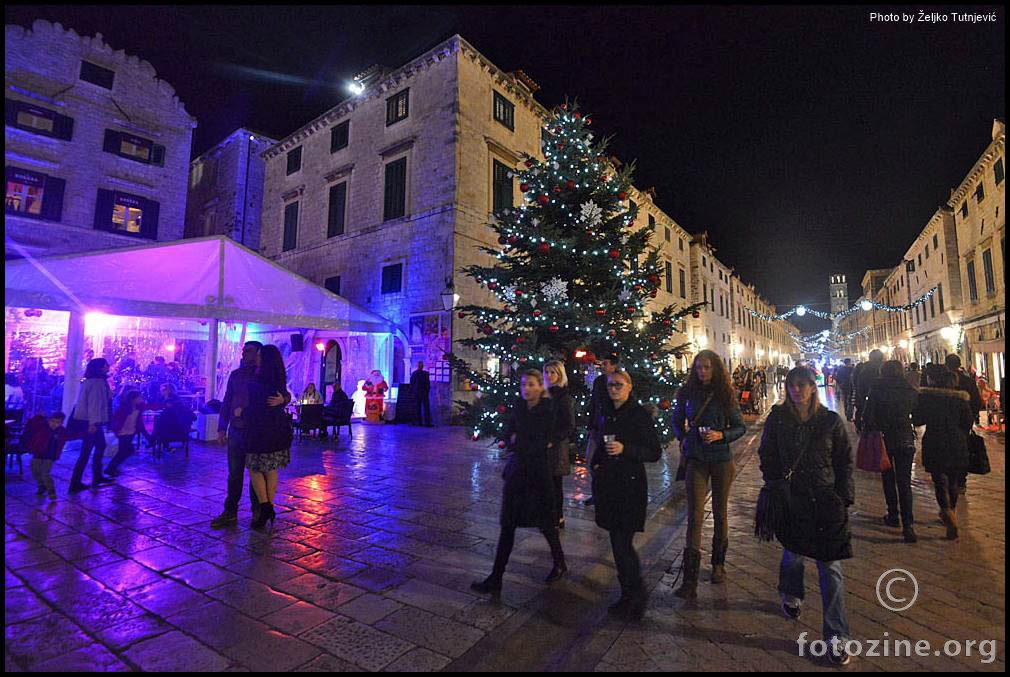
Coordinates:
774	503
978	457
76	428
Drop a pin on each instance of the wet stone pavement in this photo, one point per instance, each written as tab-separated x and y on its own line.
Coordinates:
378	538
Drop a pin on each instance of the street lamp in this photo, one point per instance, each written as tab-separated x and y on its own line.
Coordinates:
449	296
866	305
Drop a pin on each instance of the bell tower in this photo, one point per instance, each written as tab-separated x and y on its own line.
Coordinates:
839	290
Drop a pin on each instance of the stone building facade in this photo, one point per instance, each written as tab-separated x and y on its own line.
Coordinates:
756	341
979	205
710	283
385	198
96	145
226	189
932	261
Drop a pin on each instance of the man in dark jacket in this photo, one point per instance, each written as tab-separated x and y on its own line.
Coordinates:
231	431
864	377
420	385
599	397
843	382
889	411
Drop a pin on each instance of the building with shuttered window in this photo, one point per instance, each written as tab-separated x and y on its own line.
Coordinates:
96	146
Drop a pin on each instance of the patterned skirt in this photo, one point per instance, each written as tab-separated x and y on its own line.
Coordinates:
268	462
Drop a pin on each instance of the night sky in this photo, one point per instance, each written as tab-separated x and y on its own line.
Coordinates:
806	141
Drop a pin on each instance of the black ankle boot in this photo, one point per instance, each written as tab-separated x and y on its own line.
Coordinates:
557	572
267	514
689	587
491	584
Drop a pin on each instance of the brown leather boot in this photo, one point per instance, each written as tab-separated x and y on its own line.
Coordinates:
719	562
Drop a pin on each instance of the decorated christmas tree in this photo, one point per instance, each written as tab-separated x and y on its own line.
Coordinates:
573	276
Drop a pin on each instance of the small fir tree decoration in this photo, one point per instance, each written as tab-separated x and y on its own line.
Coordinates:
573	276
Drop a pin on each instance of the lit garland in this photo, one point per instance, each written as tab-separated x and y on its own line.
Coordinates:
826	341
864	305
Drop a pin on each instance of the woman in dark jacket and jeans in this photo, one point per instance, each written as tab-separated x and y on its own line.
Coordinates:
528	495
627	439
947	415
808	445
889	411
557	380
706	420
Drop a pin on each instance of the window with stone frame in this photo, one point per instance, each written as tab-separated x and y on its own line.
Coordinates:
32	194
398	107
504	111
972	284
669	277
38	120
134	148
126	214
979	192
997	171
97	75
337	208
964	209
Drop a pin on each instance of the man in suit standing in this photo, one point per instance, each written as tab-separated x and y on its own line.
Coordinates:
420	384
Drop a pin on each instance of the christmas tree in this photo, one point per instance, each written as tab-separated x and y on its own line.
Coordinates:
573	277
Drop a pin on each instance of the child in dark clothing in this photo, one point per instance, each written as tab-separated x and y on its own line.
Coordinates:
45	438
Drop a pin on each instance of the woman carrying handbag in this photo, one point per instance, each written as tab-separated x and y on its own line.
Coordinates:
806	462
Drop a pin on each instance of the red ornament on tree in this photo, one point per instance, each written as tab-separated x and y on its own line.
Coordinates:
614	253
696	314
589	121
513	239
543	199
524	187
638	287
664	404
492	285
578	116
667	322
569	184
612	333
521	339
564	106
654	280
631	310
502	409
537	313
529	163
554	328
501	445
543	248
622	195
462	315
488	329
600	312
519	292
653	293
557	189
523	360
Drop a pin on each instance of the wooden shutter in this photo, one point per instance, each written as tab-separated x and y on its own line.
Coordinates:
338	198
290	226
392	278
103	209
149	220
11	109
158	155
63	127
52	199
113	143
395	203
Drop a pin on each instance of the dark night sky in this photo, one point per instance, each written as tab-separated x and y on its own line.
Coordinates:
805	140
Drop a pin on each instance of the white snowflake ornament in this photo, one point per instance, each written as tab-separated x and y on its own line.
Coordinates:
592	214
555	290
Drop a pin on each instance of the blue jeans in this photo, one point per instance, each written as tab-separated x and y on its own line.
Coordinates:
835	624
236	472
92	442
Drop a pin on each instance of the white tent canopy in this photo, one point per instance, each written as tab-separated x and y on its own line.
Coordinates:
210	277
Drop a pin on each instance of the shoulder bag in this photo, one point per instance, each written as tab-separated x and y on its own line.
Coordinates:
774	501
682	465
978	457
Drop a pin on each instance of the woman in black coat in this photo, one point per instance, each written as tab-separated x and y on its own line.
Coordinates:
528	496
946	413
628	439
269	432
889	411
808	445
557	380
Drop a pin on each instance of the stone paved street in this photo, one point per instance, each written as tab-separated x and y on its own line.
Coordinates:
378	538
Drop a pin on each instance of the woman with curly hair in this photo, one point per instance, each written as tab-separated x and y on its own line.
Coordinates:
706	419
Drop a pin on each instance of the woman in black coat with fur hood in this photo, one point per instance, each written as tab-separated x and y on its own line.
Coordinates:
946	412
528	495
628	440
